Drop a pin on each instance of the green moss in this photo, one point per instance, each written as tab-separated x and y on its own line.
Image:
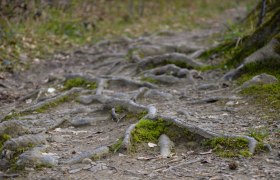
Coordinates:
208	68
119	109
15	115
139	115
41	109
149	79
147	130
79	82
181	64
150	130
54	104
258	134
116	147
229	147
19	151
3	139
267	95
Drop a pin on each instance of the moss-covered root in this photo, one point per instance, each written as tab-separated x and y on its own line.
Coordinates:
151	129
252	143
268	52
45	105
24	141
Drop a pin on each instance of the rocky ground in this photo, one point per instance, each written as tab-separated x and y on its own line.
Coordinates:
136	74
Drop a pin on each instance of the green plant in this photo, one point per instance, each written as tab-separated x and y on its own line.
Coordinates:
79	82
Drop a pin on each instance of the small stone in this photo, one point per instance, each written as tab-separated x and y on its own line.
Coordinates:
93	163
58	139
233	165
104	167
87	161
96	168
29	169
73	171
230	103
87	167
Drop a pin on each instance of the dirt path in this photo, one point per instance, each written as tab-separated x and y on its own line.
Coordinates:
199	98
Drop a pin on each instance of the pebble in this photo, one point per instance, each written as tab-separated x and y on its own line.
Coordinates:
87	167
230	103
87	161
73	171
96	168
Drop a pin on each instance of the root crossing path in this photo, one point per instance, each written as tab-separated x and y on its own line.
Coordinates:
74	130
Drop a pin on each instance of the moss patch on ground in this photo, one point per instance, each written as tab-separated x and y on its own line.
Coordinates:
116	146
149	79
3	139
150	130
268	96
79	82
129	115
229	147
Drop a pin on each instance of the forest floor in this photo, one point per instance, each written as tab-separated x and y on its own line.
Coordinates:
186	98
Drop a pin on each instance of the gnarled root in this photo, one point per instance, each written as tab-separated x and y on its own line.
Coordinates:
98	152
126	144
173	58
267	52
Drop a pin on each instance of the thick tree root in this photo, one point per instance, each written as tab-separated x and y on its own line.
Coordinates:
110	103
152	50
164	79
24	141
96	153
169	69
205	134
13	128
122	81
266	53
165	145
53	100
126	144
36	157
174	58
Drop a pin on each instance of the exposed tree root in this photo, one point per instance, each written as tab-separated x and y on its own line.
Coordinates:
100	86
164	79
173	58
165	145
24	141
205	134
37	157
44	105
169	69
152	50
96	153
126	144
122	81
266	53
214	99
13	128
